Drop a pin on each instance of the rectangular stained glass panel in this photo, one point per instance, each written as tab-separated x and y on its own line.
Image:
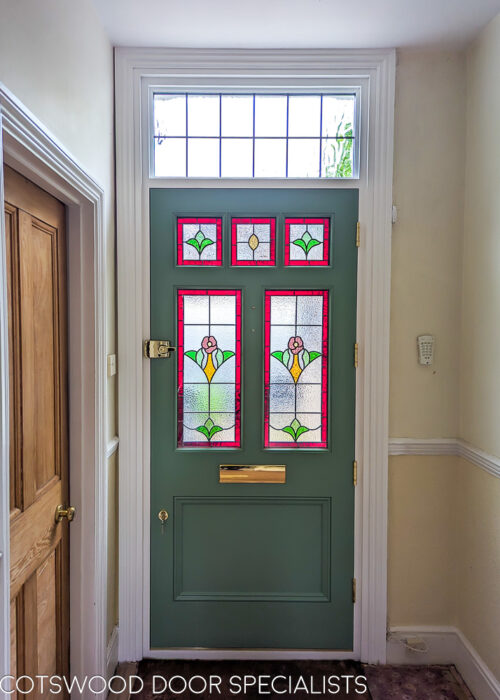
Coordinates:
199	241
209	368
296	369
253	242
307	241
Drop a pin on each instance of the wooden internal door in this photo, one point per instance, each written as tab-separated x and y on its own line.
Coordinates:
39	555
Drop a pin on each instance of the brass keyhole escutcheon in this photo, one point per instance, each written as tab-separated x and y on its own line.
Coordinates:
163	516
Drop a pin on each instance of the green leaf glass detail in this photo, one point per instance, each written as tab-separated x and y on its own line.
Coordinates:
209	429
306	242
200	242
295	429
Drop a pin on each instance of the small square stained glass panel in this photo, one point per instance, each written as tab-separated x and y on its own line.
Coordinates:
253	242
199	241
307	241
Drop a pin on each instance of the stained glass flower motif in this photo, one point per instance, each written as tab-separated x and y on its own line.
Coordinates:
307	241
209	338
253	242
296	386
199	241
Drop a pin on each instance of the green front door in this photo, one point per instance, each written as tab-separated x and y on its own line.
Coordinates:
257	290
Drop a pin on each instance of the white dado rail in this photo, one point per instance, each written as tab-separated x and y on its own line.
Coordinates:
445	446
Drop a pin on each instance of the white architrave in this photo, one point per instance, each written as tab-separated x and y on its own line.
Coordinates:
34	152
136	71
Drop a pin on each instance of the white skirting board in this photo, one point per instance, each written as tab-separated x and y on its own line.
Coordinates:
112	654
445	645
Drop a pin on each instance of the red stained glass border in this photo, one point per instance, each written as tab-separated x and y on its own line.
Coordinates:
326	241
217	220
181	293
323	444
234	246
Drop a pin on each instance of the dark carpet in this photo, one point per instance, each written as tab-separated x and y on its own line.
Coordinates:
416	683
297	679
239	679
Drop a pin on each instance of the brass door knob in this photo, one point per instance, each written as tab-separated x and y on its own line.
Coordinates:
62	512
163	515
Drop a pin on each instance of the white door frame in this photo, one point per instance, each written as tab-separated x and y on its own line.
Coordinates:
136	71
27	146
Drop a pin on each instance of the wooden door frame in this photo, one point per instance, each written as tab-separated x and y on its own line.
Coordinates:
28	147
136	71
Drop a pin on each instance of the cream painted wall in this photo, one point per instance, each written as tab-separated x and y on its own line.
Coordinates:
444	512
478	561
421	543
480	385
56	58
426	247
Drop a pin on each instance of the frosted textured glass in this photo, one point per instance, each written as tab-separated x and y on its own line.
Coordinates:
203	115
303	158
304	115
237	115
270	115
237	157
270	157
203	157
170	115
170	158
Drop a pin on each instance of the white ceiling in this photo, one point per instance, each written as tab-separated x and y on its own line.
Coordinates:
294	23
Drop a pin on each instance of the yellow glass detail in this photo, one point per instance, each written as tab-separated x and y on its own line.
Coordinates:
253	242
295	370
209	368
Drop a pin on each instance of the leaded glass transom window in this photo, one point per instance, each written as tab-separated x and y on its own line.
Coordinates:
254	135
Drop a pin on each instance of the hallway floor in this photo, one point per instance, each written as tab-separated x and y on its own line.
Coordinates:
299	679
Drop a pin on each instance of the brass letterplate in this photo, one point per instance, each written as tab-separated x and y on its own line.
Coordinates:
252	473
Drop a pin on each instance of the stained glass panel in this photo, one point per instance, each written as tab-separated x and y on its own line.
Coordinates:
307	241
253	242
209	368
296	369
199	241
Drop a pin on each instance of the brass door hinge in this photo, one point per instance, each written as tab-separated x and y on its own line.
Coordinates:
358	234
154	349
354	590
356	355
355	473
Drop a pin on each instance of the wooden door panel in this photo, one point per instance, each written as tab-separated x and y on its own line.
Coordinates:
30	544
39	375
46	605
36	267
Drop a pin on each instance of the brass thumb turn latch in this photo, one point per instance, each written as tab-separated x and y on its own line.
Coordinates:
155	349
62	512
